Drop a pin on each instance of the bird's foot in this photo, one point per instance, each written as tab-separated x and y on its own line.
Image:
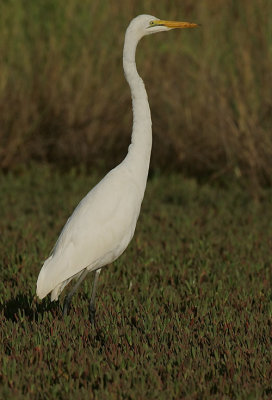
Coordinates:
92	313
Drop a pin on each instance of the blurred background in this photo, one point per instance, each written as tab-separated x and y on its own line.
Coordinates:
64	99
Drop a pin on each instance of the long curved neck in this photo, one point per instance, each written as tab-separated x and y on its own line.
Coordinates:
139	151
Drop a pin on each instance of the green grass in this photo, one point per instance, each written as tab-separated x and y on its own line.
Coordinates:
186	312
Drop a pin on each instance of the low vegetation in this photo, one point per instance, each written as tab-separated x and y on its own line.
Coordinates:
186	312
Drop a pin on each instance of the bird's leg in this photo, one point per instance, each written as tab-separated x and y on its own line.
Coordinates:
92	303
68	298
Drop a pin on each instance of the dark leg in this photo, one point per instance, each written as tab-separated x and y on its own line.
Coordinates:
68	298
92	303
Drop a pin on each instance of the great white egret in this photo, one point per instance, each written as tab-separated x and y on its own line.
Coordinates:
103	223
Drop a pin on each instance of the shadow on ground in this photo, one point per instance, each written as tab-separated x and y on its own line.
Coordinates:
28	306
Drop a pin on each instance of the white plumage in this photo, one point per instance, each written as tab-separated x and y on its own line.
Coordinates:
103	223
97	233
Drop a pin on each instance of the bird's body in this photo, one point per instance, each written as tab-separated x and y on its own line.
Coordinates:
96	234
103	223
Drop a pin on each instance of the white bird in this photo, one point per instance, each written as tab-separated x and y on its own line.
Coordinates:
103	223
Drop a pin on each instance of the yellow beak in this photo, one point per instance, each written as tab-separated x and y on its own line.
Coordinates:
176	24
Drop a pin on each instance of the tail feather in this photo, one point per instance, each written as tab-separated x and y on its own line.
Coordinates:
49	279
59	288
45	285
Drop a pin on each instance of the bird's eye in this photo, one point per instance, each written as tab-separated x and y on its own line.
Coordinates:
151	23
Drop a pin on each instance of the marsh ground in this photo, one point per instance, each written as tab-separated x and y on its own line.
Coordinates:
184	313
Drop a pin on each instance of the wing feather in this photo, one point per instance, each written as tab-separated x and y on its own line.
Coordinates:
97	232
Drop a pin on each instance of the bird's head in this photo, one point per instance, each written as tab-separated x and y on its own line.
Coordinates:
147	24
